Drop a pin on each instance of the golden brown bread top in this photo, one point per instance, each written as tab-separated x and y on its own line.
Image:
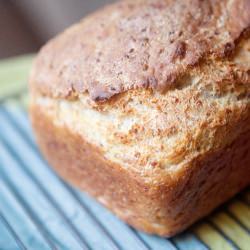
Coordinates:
154	44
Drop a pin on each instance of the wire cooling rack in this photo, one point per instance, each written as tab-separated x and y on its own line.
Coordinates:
38	210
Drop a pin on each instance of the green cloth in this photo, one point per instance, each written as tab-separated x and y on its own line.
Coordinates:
14	75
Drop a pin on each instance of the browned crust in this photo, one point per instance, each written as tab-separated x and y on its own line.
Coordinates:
139	44
164	208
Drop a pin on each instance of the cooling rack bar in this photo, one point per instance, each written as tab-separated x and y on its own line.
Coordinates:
12	232
31	214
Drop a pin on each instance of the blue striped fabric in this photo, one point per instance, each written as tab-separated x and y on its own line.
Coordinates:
49	214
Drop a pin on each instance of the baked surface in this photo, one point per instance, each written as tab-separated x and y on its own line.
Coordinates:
141	44
146	106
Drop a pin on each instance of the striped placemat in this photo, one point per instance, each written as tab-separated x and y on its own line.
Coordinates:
40	211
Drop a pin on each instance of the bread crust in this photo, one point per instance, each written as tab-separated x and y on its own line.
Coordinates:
162	208
140	44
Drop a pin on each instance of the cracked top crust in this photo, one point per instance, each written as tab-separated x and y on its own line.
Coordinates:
151	44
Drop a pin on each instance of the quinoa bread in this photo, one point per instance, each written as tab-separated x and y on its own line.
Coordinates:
145	105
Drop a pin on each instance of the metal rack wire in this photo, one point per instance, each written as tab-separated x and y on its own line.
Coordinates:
55	215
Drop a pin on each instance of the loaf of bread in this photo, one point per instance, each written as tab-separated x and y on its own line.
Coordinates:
145	105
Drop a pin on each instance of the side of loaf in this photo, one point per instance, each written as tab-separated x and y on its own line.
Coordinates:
148	113
163	208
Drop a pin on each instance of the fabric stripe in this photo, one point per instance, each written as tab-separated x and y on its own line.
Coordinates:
211	237
6	231
228	226
14	75
188	241
241	212
20	198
